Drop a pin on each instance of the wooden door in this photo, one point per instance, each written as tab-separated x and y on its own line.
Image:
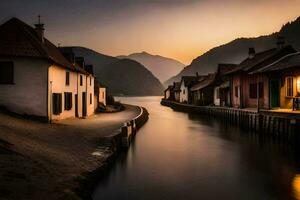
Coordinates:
275	93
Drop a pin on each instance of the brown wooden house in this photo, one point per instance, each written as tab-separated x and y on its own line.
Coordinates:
247	88
284	81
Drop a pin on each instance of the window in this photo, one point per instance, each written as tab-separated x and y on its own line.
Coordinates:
81	80
289	86
236	91
67	78
6	72
253	90
68	100
183	91
91	98
90	81
56	103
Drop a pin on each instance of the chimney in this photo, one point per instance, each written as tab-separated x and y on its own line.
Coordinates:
280	42
39	28
251	52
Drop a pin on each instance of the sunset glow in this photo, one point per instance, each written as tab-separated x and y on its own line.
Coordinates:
179	29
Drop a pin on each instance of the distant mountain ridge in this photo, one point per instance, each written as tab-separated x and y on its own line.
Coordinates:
237	50
162	67
122	76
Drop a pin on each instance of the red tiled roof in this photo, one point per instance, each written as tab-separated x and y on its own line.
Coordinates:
20	39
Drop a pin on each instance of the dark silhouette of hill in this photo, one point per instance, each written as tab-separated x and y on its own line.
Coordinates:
122	76
237	50
163	68
129	77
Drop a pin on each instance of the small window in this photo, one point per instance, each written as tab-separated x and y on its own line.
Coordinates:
68	100
56	103
90	81
91	98
6	72
81	80
183	91
236	91
289	86
218	93
67	78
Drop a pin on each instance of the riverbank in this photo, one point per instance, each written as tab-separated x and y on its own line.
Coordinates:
52	161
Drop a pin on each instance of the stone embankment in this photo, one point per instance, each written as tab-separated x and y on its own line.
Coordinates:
278	125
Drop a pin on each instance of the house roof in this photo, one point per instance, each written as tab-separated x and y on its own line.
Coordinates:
223	68
20	39
189	80
262	59
286	62
170	87
205	82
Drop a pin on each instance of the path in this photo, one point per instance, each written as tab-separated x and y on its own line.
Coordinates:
38	159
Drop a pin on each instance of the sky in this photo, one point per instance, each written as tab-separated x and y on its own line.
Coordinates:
179	29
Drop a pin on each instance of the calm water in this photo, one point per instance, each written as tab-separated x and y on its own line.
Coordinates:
183	156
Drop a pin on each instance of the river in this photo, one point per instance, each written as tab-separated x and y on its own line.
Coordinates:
187	156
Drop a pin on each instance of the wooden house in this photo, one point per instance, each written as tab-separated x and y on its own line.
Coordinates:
249	89
36	79
202	93
222	92
284	81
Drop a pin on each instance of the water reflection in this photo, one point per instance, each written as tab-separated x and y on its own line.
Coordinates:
188	156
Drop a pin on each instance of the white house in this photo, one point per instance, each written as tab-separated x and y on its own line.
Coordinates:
185	85
37	80
102	95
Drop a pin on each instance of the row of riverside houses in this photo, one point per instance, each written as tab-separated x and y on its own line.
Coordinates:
36	79
265	80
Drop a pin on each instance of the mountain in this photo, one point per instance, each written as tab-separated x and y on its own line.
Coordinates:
121	76
163	68
237	50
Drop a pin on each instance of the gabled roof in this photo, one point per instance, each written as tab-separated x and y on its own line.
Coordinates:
20	39
286	62
189	80
205	82
262	59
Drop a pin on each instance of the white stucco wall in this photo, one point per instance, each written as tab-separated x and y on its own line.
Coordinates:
90	95
102	95
28	94
57	76
183	93
167	93
216	99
